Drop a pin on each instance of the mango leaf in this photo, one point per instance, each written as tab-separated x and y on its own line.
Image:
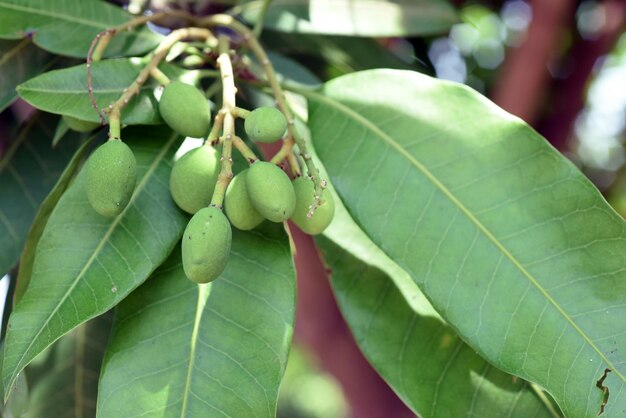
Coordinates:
19	61
374	18
187	350
70	386
65	91
85	263
18	397
68	27
513	246
41	218
28	170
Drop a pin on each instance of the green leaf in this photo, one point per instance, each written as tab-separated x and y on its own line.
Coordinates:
28	170
374	18
85	263
433	371
65	91
514	247
187	350
68	27
343	54
70	386
19	61
41	218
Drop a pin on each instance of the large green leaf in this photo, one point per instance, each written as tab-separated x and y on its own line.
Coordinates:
218	350
65	91
375	18
511	243
85	263
41	218
19	61
67	27
69	387
28	170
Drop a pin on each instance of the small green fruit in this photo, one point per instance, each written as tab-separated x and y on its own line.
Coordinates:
206	245
80	125
193	178
238	206
111	178
323	215
185	109
270	191
265	124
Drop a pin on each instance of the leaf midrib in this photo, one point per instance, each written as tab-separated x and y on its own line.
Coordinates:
203	295
60	16
96	251
375	129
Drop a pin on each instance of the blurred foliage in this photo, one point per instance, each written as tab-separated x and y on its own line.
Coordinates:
308	392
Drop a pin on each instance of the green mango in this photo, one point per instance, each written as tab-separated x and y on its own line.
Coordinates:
206	245
193	178
265	124
322	216
237	204
111	178
80	125
185	109
270	191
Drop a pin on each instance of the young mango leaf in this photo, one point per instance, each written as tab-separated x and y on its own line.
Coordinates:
19	61
28	170
215	350
70	386
373	18
514	247
85	263
65	91
68	27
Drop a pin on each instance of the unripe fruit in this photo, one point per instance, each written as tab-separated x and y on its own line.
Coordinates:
270	191
80	125
193	178
265	124
111	178
322	216
206	245
185	109
238	206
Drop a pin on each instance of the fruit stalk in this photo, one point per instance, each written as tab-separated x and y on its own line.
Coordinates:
160	53
228	107
293	137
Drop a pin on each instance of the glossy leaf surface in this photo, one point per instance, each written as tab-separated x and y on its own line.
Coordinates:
514	247
85	263
187	350
67	27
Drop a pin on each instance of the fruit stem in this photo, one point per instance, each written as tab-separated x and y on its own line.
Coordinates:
293	136
243	148
258	27
229	93
160	53
218	123
241	113
160	76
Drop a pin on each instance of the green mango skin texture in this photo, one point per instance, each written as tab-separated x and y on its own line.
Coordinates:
265	124
193	178
323	215
238	207
270	191
79	125
206	245
185	109
111	178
